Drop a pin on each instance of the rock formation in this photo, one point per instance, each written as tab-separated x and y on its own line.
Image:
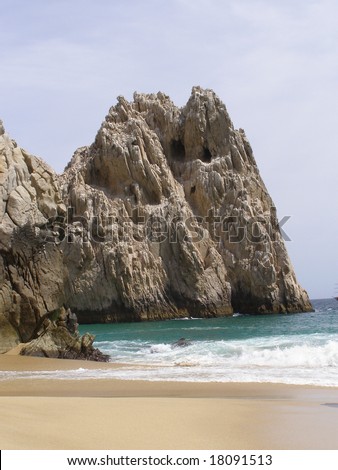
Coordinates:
58	338
164	215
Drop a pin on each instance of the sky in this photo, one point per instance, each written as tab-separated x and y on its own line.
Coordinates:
274	63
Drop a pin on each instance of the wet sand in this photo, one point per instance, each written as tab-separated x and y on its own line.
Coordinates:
118	414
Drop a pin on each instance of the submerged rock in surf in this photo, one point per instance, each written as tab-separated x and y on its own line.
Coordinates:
181	343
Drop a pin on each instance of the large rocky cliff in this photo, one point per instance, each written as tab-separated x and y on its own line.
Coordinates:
164	215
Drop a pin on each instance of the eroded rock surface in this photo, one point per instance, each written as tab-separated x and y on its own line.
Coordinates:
31	271
164	215
58	338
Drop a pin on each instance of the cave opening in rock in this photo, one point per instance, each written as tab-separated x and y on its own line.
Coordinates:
206	157
177	150
193	189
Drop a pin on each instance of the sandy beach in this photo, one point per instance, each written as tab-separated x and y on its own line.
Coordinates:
119	414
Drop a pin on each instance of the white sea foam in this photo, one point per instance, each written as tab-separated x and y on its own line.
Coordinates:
186	318
298	359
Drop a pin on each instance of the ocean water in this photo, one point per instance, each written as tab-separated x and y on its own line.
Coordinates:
298	349
293	349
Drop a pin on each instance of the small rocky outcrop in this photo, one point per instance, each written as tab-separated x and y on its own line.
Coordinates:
60	339
165	215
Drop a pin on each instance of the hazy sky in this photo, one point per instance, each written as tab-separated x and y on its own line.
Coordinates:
274	63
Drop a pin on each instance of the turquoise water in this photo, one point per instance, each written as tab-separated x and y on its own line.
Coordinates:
300	348
238	327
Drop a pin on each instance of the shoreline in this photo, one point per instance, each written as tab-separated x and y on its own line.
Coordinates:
132	414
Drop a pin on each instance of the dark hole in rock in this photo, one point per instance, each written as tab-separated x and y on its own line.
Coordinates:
193	189
177	150
206	157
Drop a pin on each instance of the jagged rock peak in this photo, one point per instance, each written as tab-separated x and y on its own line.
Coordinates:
149	153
